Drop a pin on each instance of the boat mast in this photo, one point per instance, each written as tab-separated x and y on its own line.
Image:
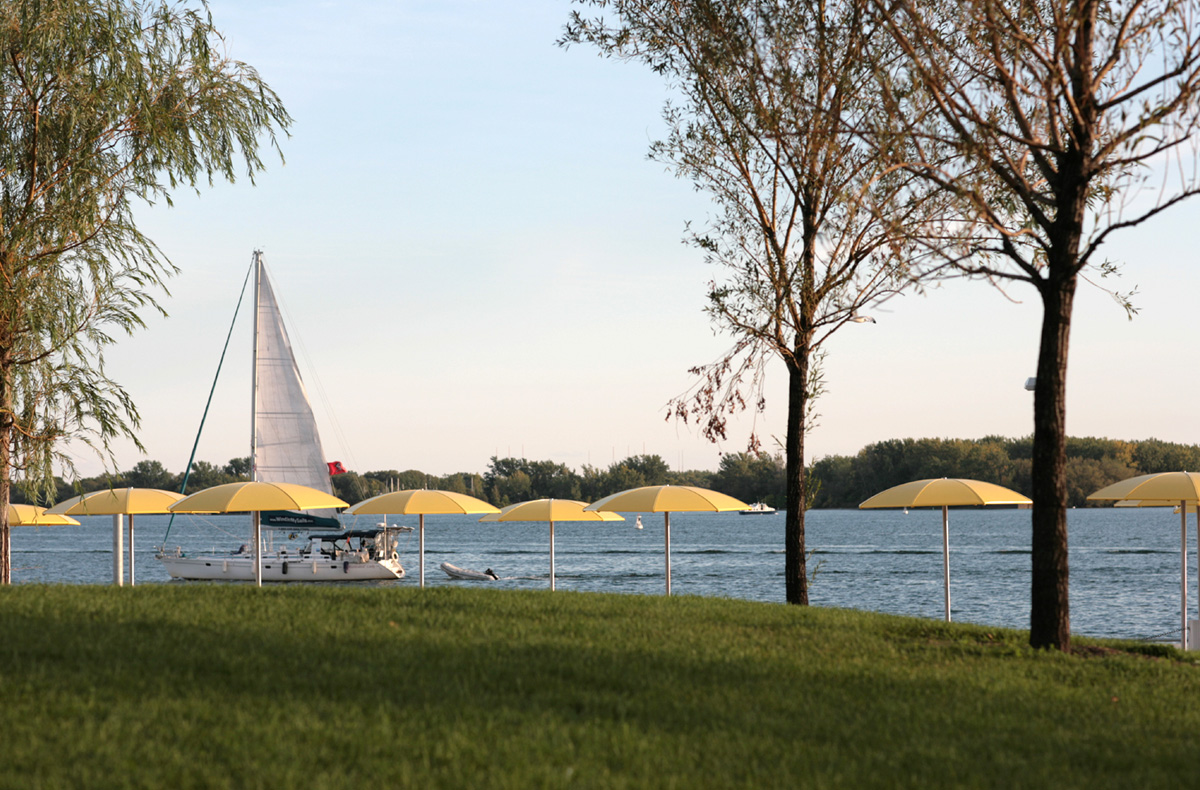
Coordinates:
254	372
255	523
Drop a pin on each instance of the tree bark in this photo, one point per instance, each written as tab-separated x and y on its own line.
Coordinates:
6	428
795	570
1050	611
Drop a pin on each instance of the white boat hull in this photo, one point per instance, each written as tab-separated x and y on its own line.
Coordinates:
466	574
280	569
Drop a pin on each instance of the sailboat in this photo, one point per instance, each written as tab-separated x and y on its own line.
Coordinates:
286	448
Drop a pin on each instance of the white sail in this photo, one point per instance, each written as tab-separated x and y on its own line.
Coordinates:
287	448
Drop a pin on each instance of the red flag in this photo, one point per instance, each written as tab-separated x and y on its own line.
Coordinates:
335	467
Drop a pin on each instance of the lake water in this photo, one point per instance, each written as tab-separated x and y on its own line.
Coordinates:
1124	562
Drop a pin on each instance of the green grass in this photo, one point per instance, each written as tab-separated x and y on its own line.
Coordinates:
310	687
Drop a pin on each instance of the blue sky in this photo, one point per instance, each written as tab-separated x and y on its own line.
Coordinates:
478	258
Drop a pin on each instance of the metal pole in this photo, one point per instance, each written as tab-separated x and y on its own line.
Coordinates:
255	519
667	531
257	549
118	550
1183	640
254	373
421	519
552	556
130	549
946	555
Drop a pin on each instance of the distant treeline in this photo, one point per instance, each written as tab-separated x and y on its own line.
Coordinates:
507	480
845	481
837	481
150	474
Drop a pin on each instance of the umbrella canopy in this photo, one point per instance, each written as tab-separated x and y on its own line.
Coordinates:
945	493
34	516
551	510
1177	488
1173	486
667	500
419	502
114	501
117	502
254	497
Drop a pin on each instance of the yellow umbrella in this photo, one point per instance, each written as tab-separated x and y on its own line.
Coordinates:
1179	488
667	500
126	501
31	515
1172	486
34	516
945	493
255	497
419	502
118	502
550	510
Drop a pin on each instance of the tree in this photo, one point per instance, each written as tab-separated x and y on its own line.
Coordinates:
106	104
1057	116
149	474
411	479
238	468
752	477
651	469
511	480
701	478
810	227
352	487
204	475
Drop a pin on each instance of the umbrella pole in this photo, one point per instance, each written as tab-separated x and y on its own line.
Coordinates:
118	551
130	549
946	556
257	529
421	572
1183	640
667	543
551	556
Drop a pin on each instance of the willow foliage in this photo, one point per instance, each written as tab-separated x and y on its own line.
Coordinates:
103	106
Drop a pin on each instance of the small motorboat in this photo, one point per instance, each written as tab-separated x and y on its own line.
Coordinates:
758	509
466	574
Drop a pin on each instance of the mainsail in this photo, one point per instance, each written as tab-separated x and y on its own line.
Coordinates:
287	448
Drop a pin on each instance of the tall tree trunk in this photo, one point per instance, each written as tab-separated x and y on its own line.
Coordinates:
6	428
1050	610
795	570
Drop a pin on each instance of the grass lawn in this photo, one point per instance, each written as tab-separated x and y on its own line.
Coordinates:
365	687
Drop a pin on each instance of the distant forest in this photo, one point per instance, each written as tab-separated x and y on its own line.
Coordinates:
845	481
838	481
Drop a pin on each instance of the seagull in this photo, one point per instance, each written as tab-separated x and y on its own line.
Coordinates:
861	319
